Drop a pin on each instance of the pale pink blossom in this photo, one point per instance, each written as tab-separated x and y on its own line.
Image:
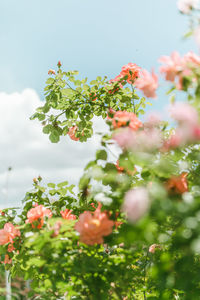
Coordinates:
153	119
124	137
94	226
148	139
37	214
175	140
148	83
172	65
186	72
185	6
136	203
184	113
192	58
153	248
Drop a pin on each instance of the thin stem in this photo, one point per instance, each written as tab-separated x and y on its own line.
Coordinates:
133	90
145	264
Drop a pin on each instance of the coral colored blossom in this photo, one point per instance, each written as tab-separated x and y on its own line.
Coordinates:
67	215
93	226
147	83
93	96
37	214
119	169
136	203
178	184
132	71
172	65
72	132
11	248
8	233
7	260
2	212
185	6
51	72
124	118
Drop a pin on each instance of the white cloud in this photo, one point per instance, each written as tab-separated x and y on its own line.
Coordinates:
30	153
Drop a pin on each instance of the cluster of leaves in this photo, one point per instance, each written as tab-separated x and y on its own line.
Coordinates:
70	101
124	266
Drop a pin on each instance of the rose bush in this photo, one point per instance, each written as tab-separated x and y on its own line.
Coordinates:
132	230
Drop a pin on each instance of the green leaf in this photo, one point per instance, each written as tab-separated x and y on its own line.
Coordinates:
51	185
101	154
54	136
61	184
50	80
47	129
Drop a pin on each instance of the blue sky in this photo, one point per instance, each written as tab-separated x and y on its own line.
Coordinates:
94	37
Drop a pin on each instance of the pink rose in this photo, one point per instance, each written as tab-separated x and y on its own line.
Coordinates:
172	65
148	83
136	203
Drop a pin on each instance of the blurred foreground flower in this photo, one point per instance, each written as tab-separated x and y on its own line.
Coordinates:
148	83
185	6
136	203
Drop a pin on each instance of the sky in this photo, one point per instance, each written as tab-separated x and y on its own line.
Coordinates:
94	37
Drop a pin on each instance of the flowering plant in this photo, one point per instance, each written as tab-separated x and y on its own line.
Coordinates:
130	230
